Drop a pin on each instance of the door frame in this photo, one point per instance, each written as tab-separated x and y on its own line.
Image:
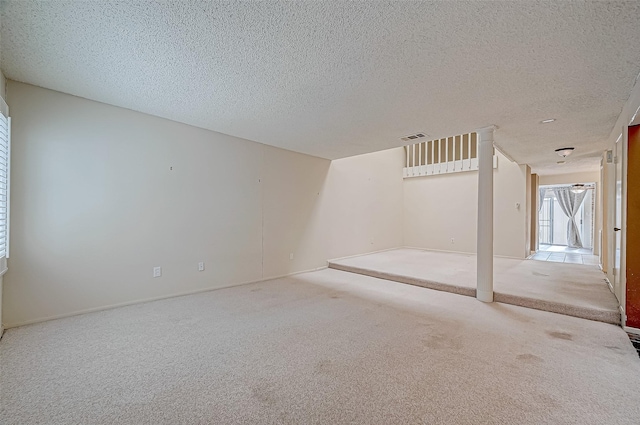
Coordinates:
618	240
630	115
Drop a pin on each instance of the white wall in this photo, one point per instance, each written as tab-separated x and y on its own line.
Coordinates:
571	178
330	209
101	195
438	208
628	116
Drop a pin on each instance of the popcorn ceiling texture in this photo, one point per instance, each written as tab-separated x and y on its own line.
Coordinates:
335	79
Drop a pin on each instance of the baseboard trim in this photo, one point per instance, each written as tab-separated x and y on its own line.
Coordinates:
417	248
606	279
457	252
147	300
366	253
287	275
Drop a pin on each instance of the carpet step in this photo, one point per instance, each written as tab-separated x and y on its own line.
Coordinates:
599	315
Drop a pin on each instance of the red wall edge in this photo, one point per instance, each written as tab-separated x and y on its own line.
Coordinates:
633	229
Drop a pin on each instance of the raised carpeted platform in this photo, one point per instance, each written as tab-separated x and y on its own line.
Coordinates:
570	289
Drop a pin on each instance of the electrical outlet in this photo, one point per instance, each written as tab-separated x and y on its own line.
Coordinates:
157	271
291	256
453	240
201	266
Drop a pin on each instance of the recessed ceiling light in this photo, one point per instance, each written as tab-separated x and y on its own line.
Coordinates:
564	152
547	121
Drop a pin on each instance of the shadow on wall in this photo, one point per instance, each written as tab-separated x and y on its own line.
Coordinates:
343	207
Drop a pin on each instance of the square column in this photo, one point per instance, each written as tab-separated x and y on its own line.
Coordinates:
484	288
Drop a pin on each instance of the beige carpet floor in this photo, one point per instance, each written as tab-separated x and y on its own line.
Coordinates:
326	347
573	289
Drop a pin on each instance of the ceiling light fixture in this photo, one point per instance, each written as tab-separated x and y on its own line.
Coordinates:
578	188
564	152
547	121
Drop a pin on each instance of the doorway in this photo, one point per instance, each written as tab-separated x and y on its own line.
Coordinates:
566	228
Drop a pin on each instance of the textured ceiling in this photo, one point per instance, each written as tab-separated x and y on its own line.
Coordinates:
336	79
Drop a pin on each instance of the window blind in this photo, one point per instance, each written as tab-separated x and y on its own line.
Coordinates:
5	150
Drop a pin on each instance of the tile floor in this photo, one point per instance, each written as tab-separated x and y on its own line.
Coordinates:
564	254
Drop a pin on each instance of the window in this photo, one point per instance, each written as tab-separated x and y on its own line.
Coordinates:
5	149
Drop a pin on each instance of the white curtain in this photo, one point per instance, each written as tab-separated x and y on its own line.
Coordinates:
542	192
570	203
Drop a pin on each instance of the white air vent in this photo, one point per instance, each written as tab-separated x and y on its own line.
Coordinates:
413	137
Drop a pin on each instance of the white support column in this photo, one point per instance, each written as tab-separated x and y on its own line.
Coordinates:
413	155
484	289
407	164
